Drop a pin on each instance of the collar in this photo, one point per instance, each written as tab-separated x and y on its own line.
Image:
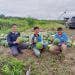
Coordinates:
36	35
60	33
14	32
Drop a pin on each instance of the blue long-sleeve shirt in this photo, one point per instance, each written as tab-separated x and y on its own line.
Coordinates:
11	37
39	38
62	38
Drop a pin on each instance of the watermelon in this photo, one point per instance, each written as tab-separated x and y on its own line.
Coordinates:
50	45
49	41
69	44
47	47
54	49
52	33
4	43
51	48
56	41
19	40
39	45
45	42
27	36
25	39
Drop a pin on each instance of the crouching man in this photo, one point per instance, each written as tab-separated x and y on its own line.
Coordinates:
62	36
37	42
11	39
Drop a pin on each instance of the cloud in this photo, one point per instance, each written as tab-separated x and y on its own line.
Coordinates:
44	9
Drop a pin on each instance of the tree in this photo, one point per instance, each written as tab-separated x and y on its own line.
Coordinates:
2	16
30	21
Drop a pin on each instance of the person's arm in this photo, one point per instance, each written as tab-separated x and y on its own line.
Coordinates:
41	36
9	39
65	37
41	39
15	42
56	36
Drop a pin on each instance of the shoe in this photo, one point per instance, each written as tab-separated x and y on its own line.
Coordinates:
20	52
15	55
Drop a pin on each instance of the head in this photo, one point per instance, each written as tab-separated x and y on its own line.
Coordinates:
14	28
36	30
59	30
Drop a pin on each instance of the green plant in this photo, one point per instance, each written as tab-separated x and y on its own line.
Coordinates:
12	66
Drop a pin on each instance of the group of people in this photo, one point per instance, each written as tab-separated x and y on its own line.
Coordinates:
16	48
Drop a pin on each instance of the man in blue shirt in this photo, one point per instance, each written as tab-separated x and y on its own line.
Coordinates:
62	36
11	39
36	37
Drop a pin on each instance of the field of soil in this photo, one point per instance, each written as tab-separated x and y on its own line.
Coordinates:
47	64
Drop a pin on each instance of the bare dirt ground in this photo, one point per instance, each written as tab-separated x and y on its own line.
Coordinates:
28	54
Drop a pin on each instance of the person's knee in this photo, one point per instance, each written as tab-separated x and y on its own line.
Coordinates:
14	51
64	47
16	54
24	46
37	52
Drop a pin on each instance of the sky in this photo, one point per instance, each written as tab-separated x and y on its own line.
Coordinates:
41	9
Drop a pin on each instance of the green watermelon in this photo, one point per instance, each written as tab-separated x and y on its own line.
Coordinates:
51	48
27	36
52	33
19	40
48	40
50	45
69	44
54	49
25	39
69	40
56	41
4	43
39	45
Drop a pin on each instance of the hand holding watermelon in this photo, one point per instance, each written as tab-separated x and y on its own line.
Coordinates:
54	49
19	40
56	41
15	42
39	45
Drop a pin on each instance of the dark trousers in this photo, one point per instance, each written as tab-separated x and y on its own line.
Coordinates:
15	50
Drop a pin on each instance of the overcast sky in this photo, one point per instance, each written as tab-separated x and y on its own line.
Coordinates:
42	9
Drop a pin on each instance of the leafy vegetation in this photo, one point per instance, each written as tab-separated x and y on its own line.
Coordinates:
47	64
26	23
38	66
11	66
